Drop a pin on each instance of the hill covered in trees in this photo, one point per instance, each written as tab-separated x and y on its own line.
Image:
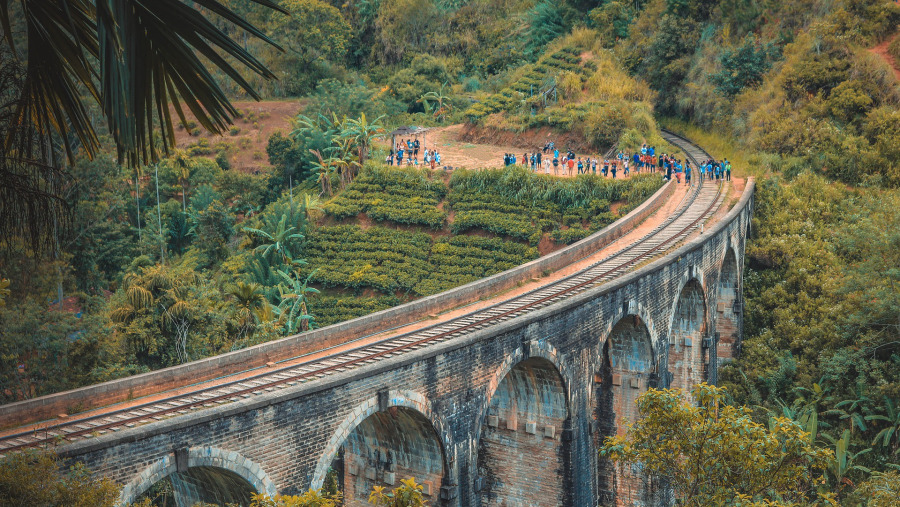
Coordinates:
799	93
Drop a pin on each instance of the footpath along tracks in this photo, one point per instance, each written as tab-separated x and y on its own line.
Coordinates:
696	207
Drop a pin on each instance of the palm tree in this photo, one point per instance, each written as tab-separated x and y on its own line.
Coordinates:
277	241
362	133
440	102
182	164
248	298
132	58
147	55
293	300
178	316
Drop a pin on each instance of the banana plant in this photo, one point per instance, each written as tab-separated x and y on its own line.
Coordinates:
325	166
293	306
855	410
889	436
844	461
437	101
362	133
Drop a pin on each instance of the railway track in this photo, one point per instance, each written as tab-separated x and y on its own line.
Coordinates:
697	206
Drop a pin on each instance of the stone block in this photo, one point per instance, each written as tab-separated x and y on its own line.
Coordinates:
617	379
353	469
493	421
512	422
530	427
635	383
370	473
390	478
550	431
427	487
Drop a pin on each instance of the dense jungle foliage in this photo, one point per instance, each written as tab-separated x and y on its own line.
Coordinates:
187	258
216	267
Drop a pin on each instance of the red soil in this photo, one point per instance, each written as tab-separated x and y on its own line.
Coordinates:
882	51
260	120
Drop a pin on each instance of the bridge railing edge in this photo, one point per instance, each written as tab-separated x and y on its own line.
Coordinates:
107	393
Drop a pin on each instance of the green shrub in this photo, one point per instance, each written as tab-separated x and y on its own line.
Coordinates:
569	236
401	195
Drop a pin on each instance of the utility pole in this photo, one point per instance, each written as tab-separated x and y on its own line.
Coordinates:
162	253
59	277
137	202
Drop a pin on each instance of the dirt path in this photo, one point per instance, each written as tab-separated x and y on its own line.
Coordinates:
458	154
882	51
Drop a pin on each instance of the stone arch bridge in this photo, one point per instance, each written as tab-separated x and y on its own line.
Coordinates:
506	414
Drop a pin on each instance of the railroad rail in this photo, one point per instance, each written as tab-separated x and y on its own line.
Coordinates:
697	206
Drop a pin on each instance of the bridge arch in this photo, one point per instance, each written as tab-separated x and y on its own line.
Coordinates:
628	366
230	465
522	453
727	309
688	357
407	435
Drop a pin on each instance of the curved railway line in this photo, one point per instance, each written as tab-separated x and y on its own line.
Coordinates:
696	207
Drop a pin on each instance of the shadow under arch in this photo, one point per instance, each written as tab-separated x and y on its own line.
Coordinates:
522	452
372	447
213	475
689	345
628	366
728	308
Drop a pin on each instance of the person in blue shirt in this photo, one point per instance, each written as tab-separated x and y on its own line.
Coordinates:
687	173
555	153
636	159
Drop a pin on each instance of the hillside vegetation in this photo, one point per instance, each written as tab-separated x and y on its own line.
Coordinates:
237	273
790	93
109	270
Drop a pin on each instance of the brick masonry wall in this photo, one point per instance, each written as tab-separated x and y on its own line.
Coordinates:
292	435
727	318
521	455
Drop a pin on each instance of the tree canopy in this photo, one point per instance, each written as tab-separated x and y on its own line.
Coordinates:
712	453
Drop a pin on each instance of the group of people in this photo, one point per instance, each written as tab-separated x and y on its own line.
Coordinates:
622	163
569	163
408	151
